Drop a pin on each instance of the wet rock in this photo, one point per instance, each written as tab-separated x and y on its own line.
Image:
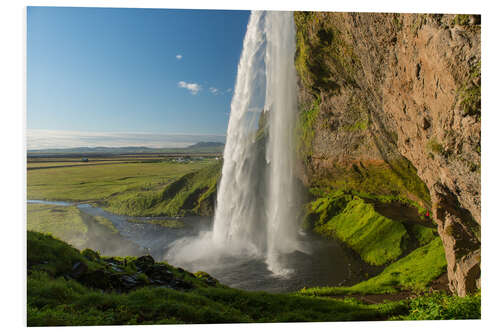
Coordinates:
178	284
78	270
159	274
128	282
142	263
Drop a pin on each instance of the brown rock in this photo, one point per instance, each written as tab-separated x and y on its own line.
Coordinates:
397	86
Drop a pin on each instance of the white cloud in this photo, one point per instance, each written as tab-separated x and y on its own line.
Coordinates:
193	88
179	56
48	139
213	90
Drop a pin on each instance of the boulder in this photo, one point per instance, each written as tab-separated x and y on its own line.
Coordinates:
160	274
142	263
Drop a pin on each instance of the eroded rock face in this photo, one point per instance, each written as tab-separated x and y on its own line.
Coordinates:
400	86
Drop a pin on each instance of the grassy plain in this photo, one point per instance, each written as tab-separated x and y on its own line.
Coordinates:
63	222
127	186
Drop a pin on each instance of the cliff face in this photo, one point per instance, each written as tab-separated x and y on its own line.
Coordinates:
390	105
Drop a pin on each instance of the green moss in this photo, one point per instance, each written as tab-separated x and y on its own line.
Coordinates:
397	21
434	146
305	130
359	125
326	39
396	179
470	100
413	272
375	238
461	19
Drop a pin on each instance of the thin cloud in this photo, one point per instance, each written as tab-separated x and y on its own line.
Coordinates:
193	88
228	90
213	90
52	139
179	56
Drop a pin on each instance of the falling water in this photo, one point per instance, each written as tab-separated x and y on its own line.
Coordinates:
261	218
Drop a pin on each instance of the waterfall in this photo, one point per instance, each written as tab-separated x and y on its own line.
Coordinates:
261	219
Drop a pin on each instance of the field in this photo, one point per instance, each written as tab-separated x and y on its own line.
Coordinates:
107	181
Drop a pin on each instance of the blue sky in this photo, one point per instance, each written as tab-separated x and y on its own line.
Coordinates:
101	70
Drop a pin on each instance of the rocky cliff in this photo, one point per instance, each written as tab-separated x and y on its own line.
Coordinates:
391	107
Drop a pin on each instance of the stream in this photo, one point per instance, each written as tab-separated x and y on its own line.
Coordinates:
326	263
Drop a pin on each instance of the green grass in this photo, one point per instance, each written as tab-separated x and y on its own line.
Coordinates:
168	223
413	272
423	235
377	239
63	222
191	194
439	306
133	189
106	223
97	182
53	300
57	301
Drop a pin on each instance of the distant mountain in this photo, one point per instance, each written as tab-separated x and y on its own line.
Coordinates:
200	147
206	145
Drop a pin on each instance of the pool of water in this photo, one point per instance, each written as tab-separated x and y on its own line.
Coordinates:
324	263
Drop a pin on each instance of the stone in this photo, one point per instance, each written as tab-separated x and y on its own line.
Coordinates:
78	269
159	273
142	263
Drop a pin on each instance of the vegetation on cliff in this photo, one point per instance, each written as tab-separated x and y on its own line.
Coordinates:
397	100
375	238
413	272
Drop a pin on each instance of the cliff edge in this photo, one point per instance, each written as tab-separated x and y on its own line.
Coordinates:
390	105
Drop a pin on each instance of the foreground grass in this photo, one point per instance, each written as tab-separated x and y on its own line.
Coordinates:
413	272
54	300
441	306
